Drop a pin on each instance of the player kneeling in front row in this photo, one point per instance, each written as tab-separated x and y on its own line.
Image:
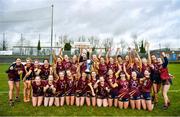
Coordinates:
135	94
146	89
70	88
49	91
81	90
37	89
60	90
123	94
102	89
91	95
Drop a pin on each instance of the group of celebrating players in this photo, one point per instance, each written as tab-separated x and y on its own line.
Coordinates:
131	81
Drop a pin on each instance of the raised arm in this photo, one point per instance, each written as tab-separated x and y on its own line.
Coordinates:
165	63
130	57
80	50
90	52
107	55
100	53
78	56
54	56
119	70
60	53
117	51
124	68
80	59
139	58
149	55
55	73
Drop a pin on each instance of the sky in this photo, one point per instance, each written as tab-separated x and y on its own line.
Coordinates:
157	21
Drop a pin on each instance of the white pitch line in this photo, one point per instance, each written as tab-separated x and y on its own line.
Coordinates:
6	92
174	90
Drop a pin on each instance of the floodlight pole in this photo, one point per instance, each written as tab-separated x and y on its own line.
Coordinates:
52	18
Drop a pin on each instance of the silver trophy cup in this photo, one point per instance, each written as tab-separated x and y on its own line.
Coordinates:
88	66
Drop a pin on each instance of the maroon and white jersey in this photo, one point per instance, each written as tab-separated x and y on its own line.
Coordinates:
61	86
128	67
163	69
38	89
27	68
59	67
74	68
111	81
134	86
92	83
145	67
66	64
14	69
156	68
146	85
70	86
103	69
101	90
45	72
83	66
123	86
76	82
120	65
82	86
113	67
49	91
136	67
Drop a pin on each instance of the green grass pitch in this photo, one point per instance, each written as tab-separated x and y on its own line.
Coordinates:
26	109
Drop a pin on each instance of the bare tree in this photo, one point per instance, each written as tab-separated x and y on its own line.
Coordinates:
23	42
60	41
20	43
82	38
167	46
123	45
101	43
135	42
71	40
108	43
65	39
94	41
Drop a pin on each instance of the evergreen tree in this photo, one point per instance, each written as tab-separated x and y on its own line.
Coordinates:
142	48
67	46
38	47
